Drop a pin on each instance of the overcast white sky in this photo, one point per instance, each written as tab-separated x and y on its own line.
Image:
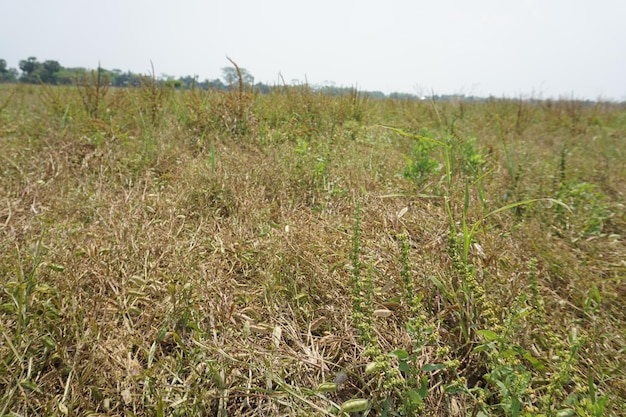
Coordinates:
512	48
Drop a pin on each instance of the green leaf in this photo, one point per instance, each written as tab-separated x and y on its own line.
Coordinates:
467	199
48	342
56	267
429	367
440	286
488	334
400	354
29	385
161	335
591	385
415	397
504	390
455	389
483	348
423	389
565	412
178	340
516	406
537	364
508	353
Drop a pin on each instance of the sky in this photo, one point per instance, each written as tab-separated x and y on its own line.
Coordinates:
503	48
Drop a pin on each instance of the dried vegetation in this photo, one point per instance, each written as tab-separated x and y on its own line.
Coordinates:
183	253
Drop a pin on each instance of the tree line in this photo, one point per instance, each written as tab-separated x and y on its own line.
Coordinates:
32	71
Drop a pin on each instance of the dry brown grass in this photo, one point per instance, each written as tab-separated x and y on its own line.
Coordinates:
155	261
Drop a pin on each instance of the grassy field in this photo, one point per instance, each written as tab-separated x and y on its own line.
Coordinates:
188	253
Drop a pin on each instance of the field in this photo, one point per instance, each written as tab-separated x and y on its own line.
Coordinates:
195	252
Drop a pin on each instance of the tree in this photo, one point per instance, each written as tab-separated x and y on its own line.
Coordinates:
31	70
188	81
217	84
262	88
229	74
7	74
28	66
50	68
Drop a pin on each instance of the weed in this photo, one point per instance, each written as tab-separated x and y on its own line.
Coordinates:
152	96
420	164
93	88
235	108
362	292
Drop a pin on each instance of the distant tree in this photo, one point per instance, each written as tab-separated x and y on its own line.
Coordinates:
262	88
114	75
375	94
217	84
65	76
32	70
52	66
230	76
12	75
50	70
124	79
7	75
29	65
188	81
170	81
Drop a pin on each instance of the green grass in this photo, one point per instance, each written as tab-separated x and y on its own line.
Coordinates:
170	252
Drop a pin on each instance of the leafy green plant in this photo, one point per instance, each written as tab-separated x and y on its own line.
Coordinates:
470	160
509	376
589	404
414	378
466	231
421	164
